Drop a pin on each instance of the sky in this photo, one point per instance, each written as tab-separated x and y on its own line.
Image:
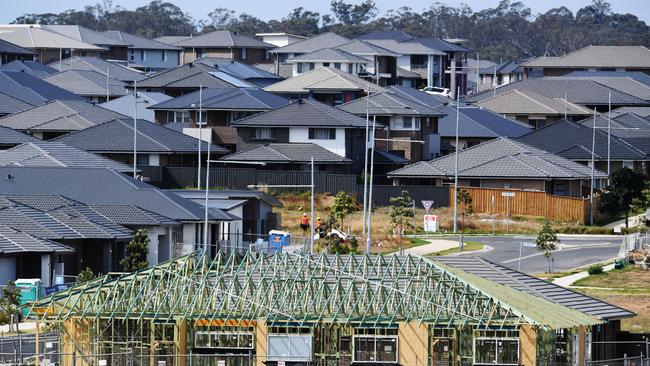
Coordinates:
276	9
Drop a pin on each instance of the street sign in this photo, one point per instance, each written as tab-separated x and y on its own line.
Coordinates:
431	223
281	363
507	194
528	244
427	205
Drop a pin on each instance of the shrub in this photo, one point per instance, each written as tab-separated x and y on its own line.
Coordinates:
595	269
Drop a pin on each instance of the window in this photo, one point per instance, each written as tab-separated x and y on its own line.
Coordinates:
326	64
406	123
311	66
374	349
132	55
349	66
419	61
244	54
199	52
143	55
537	122
337	65
178	116
143	160
227	340
289	347
499	347
264	133
299	68
322	133
628	164
164	55
204	118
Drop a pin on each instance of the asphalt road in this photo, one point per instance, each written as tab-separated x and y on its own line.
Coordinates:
575	251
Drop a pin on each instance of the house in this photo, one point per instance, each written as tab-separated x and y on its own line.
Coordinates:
255	208
581	91
31	67
329	57
494	76
220	107
411	122
48	45
188	78
108	191
440	63
58	117
325	84
473	67
146	54
575	141
92	85
502	163
291	156
110	69
157	146
306	121
10	138
280	39
591	58
485	321
116	49
223	44
639	111
533	108
29	90
250	74
10	52
56	154
125	105
638	87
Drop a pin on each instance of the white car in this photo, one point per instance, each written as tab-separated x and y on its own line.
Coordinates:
434	90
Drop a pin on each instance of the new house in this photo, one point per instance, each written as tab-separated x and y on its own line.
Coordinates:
10	52
146	54
111	69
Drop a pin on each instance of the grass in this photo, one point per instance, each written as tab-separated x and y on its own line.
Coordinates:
469	246
628	288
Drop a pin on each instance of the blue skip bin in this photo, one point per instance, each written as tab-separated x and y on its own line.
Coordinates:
277	240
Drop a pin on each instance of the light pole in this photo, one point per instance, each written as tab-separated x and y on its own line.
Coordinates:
135	128
593	169
456	163
198	177
372	170
365	163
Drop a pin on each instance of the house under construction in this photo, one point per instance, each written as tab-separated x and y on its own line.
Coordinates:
291	309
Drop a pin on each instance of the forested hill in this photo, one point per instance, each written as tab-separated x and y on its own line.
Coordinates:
507	31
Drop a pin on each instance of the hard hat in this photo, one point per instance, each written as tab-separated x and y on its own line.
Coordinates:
304	214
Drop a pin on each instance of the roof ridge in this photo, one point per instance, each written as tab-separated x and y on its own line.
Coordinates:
140	133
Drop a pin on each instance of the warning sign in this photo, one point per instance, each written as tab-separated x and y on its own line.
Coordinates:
427	205
431	223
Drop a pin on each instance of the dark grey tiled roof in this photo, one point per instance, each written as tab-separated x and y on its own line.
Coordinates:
17	242
323	79
86	35
478	123
12	49
359	47
131	215
287	153
115	71
625	85
630	128
9	104
303	113
387	34
30	89
639	111
249	99
222	39
505	67
102	187
405	43
56	154
137	42
421	97
579	91
635	75
631	57
59	115
11	137
237	69
50	216
31	67
325	40
574	141
388	103
116	136
328	55
171	39
501	158
535	286
87	83
191	75
231	194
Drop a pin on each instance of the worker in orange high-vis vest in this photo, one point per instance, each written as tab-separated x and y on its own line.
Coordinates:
304	222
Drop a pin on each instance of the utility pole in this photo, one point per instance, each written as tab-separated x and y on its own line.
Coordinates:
478	74
593	167
311	226
135	128
107	92
609	133
198	176
456	164
365	163
206	247
372	172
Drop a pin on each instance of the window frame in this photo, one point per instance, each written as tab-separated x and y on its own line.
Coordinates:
164	55
290	357
397	124
262	136
176	113
375	337
143	55
299	68
132	55
244	53
312	133
496	339
212	334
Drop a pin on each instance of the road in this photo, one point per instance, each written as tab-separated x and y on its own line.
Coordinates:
575	251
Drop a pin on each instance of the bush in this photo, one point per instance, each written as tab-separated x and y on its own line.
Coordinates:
596	269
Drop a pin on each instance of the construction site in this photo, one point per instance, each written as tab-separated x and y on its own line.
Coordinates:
297	309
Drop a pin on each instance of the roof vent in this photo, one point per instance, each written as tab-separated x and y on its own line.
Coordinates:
9	176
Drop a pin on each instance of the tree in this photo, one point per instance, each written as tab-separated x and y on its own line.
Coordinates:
465	206
137	250
343	206
401	211
547	242
85	275
9	304
625	188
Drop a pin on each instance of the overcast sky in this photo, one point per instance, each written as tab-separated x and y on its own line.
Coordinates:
276	9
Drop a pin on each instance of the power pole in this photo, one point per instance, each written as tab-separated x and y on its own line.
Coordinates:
198	176
311	226
593	167
456	164
372	172
365	163
135	128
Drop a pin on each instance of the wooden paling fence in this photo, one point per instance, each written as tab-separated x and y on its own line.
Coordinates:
528	203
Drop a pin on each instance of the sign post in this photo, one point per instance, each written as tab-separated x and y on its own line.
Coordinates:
507	195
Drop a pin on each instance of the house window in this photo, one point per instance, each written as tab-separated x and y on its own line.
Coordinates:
199	52
406	123
178	116
311	66
496	347
237	115
203	118
143	55
264	133
322	133
132	55
628	164
375	349
244	54
337	65
536	122
143	160
294	347
223	340
349	66
419	61
326	64
299	68
164	55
